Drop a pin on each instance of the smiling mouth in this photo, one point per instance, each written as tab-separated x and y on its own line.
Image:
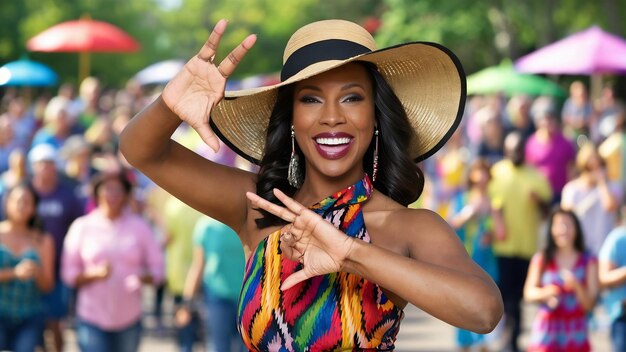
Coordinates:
333	147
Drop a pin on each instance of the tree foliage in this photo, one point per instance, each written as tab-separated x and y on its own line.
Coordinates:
480	32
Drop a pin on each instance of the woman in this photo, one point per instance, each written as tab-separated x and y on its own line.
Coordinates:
334	273
26	270
593	198
108	254
564	279
472	218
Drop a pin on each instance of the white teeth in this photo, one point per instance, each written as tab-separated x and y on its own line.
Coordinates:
332	141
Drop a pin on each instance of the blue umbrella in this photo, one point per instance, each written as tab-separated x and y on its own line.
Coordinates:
29	73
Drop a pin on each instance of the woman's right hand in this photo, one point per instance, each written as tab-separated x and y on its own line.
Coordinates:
199	86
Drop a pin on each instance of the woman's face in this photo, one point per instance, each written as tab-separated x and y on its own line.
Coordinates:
563	230
479	177
333	118
20	205
112	194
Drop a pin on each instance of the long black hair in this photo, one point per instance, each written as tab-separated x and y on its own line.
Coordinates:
398	176
579	242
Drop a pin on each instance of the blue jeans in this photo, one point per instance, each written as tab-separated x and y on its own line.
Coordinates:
20	336
93	339
222	324
618	334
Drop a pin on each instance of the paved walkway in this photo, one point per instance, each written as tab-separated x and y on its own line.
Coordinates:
419	332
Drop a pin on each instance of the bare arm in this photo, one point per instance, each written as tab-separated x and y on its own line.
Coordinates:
439	277
213	189
533	290
194	274
611	275
44	277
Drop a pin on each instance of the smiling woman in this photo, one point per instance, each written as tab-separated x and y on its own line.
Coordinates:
333	253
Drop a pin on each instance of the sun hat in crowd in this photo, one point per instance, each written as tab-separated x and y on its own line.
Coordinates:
427	77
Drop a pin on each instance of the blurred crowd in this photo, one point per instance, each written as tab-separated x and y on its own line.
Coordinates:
534	187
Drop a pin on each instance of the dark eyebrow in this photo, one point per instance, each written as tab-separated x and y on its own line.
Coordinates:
351	85
345	87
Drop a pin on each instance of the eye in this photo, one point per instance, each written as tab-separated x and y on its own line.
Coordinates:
308	99
352	98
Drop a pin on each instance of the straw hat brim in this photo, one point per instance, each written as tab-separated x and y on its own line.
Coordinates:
427	78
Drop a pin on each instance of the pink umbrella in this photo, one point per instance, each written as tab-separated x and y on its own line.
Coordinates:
83	36
592	51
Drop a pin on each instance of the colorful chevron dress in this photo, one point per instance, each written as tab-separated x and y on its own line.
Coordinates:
338	311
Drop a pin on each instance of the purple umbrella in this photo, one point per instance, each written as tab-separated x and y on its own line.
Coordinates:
592	51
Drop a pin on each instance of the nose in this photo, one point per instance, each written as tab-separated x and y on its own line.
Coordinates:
332	114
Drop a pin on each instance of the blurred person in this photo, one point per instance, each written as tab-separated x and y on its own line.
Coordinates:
563	278
450	165
108	255
577	113
491	145
593	198
26	271
519	117
519	193
606	110
22	122
8	143
58	207
17	171
613	149
472	218
88	98
58	126
76	154
612	274
548	150
179	220
219	261
67	95
101	136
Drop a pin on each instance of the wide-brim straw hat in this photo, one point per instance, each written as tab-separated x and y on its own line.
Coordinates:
427	78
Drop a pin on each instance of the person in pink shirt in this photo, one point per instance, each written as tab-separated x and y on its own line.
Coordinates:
108	254
549	150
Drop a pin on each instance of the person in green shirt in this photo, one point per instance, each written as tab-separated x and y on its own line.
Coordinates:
219	261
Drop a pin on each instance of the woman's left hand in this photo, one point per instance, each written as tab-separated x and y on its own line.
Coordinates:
308	238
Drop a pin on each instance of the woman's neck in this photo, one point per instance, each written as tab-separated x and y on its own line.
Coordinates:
317	186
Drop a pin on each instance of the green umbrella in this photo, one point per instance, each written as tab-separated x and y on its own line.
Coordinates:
505	79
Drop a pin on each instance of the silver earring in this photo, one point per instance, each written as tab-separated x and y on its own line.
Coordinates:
375	166
293	173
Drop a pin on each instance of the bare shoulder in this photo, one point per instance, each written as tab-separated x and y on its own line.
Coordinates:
403	229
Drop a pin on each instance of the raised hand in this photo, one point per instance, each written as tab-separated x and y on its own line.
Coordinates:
308	238
199	86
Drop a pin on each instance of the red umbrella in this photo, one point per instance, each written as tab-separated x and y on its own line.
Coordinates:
84	36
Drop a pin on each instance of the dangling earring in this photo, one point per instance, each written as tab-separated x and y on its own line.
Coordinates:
375	166
293	173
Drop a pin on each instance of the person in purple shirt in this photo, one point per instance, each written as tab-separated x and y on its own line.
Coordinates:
59	206
548	150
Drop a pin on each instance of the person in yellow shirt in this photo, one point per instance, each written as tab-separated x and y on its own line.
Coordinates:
519	194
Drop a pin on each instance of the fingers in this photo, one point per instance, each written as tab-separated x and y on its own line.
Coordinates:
208	136
270	207
294	206
293	280
228	65
207	53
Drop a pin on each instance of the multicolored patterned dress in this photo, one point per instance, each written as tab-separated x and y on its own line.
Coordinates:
564	328
338	311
